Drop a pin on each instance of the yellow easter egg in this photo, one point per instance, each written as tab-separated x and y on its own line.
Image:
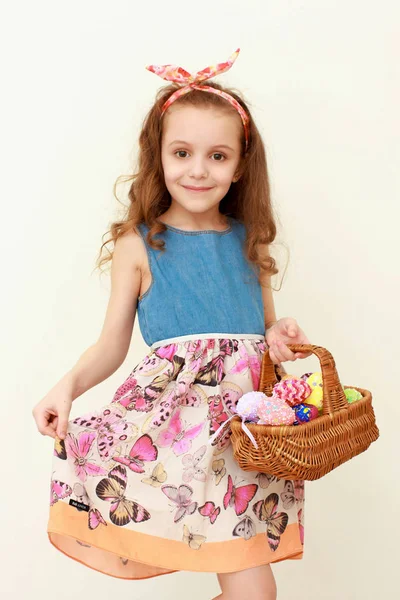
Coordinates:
316	396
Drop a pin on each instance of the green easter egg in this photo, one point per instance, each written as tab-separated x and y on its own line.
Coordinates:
352	395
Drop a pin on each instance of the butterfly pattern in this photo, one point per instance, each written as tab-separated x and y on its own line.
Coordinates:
143	461
111	429
122	510
182	497
276	522
178	437
191	466
210	510
239	497
79	451
143	450
59	448
245	528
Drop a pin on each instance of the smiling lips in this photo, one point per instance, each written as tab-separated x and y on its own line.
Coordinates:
197	189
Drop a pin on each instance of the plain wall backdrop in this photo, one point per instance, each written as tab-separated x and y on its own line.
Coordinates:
322	80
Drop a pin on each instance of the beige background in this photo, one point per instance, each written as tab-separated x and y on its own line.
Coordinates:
323	82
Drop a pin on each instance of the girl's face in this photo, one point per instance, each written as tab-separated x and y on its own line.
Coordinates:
200	155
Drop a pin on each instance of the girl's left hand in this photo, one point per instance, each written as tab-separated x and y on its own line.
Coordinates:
285	331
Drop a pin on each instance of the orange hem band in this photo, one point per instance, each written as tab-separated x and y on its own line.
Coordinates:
156	555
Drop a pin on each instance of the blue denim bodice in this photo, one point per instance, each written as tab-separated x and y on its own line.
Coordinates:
202	283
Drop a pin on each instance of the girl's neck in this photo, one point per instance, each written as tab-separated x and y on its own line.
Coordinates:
218	223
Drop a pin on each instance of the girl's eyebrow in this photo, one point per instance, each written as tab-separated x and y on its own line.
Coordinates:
187	144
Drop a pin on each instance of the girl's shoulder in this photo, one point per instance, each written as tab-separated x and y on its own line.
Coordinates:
130	246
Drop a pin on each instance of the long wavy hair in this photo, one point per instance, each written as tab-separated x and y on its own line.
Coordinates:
248	200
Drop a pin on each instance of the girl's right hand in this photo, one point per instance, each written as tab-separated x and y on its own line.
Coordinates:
51	414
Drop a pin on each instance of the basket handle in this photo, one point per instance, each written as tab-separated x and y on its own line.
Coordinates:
334	398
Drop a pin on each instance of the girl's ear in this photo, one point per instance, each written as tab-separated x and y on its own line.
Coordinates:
237	175
239	171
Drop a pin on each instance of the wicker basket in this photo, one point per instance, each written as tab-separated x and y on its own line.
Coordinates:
310	450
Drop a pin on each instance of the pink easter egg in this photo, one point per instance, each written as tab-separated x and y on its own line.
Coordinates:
292	391
274	411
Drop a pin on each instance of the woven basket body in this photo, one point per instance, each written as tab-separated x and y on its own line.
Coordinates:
310	450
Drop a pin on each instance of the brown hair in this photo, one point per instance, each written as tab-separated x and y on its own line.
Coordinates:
247	200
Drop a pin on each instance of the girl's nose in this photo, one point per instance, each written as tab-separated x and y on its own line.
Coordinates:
198	169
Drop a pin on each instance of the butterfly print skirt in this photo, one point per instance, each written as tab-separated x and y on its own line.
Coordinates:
137	489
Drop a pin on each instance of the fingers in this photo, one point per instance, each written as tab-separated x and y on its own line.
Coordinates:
303	354
62	424
282	352
291	326
273	356
45	426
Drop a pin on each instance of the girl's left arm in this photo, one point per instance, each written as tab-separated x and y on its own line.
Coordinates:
279	333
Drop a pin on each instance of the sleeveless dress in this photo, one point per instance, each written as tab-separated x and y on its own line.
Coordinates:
137	489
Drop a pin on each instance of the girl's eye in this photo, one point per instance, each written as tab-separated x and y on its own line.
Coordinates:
218	156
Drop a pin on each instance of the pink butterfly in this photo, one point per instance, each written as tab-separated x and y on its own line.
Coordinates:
125	388
132	397
79	450
220	408
182	497
230	394
168	351
216	413
167	403
95	519
262	346
196	352
176	436
189	394
111	429
194	397
239	497
191	462
229	346
58	491
208	510
248	361
143	450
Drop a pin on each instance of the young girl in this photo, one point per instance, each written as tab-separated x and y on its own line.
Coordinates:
137	488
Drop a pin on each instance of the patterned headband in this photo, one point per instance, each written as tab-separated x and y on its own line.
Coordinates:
190	82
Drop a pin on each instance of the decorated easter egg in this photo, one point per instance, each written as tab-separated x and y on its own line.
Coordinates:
316	396
292	391
305	412
247	405
274	411
352	395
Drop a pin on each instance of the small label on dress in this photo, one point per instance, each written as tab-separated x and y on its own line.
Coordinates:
79	505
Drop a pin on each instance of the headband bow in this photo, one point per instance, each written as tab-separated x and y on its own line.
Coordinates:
189	82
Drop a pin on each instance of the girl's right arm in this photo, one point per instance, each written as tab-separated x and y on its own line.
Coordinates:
104	357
